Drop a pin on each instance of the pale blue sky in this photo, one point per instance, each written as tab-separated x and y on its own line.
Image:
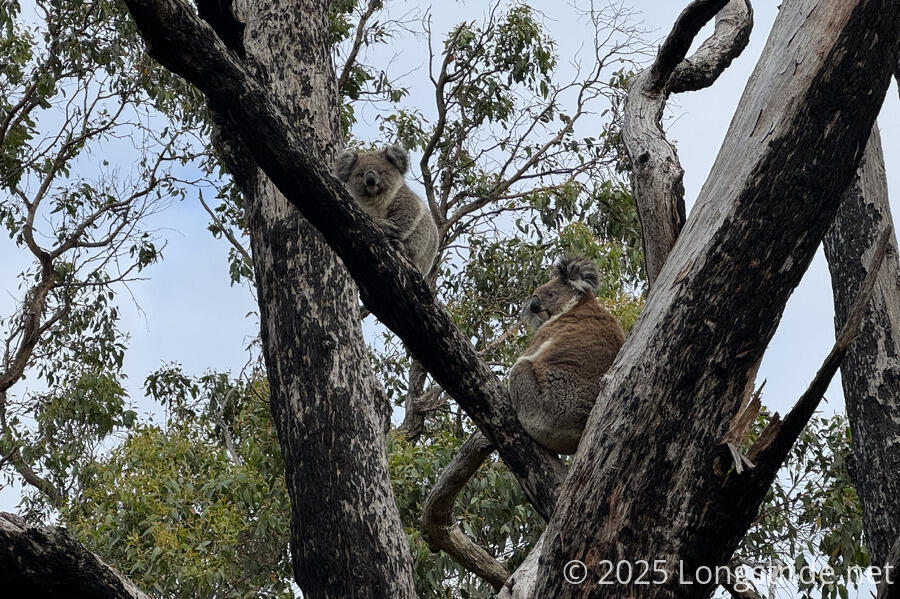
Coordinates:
189	313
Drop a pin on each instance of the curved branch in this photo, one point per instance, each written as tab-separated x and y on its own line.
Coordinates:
439	527
656	171
357	42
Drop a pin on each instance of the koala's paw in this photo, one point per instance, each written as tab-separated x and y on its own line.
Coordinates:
389	228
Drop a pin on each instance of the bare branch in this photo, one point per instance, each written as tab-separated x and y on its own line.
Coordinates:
774	449
674	48
656	171
240	249
439	526
358	39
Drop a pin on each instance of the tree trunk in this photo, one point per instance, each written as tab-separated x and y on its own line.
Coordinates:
652	480
870	374
330	412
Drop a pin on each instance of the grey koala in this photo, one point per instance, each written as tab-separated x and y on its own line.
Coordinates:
375	180
555	382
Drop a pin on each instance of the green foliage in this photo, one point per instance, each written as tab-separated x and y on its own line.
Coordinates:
811	517
178	511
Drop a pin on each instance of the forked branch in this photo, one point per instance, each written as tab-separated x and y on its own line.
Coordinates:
656	171
439	526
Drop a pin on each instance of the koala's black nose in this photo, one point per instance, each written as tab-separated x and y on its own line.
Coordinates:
535	305
371	179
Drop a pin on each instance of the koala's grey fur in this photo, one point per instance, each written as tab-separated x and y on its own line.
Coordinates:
554	384
375	180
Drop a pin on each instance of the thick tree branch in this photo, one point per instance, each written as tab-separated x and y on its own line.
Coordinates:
674	49
48	562
439	526
656	171
869	372
389	286
772	448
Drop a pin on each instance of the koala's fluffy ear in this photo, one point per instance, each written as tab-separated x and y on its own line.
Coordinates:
398	157
580	274
343	164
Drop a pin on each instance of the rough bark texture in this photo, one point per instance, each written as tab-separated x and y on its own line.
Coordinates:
647	482
870	374
889	587
48	562
330	412
656	175
388	285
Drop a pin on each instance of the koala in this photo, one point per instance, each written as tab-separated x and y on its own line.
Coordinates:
555	382
375	180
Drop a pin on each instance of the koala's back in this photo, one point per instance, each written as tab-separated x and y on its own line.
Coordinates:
584	340
555	383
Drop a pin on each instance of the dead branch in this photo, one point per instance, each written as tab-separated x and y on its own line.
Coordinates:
439	526
773	451
656	171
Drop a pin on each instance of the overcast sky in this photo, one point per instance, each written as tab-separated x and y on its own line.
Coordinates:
189	313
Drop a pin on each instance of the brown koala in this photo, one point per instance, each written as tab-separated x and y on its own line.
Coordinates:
554	384
375	180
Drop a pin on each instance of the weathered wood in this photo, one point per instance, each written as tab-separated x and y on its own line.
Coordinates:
772	450
656	175
647	480
870	374
389	286
47	561
439	526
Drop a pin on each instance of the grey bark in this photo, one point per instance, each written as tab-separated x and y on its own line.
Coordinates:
870	374
330	413
656	174
651	478
47	561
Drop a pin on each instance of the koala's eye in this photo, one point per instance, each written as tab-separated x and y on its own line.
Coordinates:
359	175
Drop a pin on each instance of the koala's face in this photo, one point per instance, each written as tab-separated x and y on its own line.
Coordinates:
548	300
370	174
574	278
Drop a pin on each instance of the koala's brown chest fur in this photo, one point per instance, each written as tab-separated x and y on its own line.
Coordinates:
585	337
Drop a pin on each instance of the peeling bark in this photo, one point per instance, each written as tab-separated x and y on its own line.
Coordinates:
47	561
870	374
647	482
